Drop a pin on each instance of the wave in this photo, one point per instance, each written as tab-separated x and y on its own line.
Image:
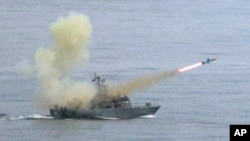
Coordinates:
30	117
1	115
15	118
37	116
48	117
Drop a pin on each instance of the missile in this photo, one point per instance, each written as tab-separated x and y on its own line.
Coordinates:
208	61
190	67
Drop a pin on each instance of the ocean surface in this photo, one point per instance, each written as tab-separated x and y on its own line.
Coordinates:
130	39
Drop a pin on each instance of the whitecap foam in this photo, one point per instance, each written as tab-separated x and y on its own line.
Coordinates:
148	116
16	118
37	116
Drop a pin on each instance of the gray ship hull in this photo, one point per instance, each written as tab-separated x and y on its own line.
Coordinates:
105	113
104	107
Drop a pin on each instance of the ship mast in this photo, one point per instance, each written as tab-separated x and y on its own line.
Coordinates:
102	88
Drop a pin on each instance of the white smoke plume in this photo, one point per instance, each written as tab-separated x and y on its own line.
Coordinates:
71	35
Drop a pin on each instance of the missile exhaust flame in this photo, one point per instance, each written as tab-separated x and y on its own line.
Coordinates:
190	67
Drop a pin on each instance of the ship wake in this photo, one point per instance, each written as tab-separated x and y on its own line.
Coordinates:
47	117
29	117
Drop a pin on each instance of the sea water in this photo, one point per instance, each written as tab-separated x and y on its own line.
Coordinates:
133	38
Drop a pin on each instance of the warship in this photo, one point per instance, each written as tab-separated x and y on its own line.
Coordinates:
101	108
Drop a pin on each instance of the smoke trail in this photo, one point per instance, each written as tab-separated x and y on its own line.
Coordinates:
146	81
71	35
140	83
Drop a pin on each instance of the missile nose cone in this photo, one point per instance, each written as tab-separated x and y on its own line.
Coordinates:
213	59
208	61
